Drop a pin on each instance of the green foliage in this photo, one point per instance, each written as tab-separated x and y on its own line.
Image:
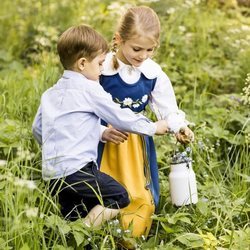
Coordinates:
204	50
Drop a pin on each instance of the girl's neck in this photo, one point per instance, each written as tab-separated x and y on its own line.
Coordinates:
120	56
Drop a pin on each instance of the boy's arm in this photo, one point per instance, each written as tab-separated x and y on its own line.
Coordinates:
122	119
37	126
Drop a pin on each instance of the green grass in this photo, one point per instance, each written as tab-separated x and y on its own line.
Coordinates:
205	51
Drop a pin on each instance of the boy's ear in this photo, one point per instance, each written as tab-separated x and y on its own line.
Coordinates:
81	63
117	38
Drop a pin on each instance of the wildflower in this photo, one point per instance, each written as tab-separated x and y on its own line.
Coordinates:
3	163
143	237
25	183
30	184
210	241
20	182
246	91
201	145
118	230
172	54
182	28
116	222
31	212
171	11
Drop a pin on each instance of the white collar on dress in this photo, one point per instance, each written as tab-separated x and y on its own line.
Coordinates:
149	68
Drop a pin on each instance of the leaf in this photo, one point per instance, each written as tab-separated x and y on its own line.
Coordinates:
167	229
55	222
79	237
191	240
202	207
25	247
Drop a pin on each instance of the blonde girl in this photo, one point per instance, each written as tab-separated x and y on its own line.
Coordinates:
134	80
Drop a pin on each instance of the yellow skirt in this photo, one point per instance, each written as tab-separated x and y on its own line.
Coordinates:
128	165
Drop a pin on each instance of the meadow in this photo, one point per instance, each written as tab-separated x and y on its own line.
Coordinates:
205	51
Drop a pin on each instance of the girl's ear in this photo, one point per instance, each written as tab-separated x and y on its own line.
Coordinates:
81	63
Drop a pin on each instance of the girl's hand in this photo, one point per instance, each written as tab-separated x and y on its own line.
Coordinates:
114	135
185	135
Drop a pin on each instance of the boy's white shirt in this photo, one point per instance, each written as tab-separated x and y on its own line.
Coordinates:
67	123
162	100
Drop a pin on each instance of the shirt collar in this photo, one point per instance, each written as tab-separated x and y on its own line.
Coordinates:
69	74
149	68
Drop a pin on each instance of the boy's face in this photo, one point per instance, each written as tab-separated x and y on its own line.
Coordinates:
135	51
92	69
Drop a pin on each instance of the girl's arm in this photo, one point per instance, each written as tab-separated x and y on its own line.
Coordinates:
163	104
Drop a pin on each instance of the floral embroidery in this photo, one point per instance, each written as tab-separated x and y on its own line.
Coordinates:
144	98
136	105
128	102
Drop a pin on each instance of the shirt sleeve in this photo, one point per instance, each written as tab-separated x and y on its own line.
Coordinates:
37	126
102	129
163	104
123	119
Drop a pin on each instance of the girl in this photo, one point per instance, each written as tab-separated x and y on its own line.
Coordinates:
134	81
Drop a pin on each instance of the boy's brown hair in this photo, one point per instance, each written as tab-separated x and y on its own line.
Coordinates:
80	41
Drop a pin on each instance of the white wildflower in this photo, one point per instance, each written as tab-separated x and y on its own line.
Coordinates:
182	28
116	222
118	230
3	163
32	212
25	183
20	182
171	11
245	27
172	54
30	184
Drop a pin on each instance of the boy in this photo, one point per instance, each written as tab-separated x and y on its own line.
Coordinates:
67	124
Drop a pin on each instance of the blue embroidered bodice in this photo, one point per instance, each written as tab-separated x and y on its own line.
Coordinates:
134	96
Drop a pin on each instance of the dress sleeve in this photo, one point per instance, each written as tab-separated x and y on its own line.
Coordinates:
163	104
37	126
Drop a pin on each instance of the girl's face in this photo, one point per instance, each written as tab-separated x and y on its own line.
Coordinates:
136	50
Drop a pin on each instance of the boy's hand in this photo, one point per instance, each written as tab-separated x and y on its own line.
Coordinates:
185	135
161	127
114	135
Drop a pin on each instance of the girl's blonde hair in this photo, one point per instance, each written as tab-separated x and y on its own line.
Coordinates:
137	21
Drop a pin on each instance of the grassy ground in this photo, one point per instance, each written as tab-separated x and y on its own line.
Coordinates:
205	50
